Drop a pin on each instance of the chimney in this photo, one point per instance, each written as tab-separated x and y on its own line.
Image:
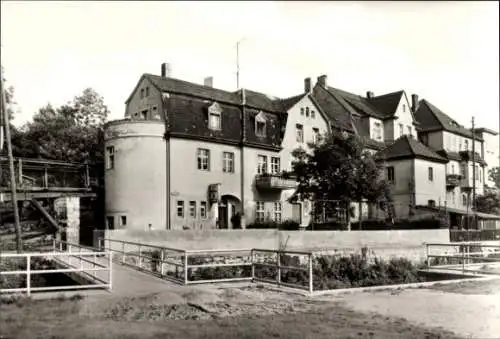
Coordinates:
208	81
166	70
322	81
369	95
414	102
307	85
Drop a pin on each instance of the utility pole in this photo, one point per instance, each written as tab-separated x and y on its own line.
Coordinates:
473	175
6	120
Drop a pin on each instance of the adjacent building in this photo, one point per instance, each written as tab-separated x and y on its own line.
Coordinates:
190	156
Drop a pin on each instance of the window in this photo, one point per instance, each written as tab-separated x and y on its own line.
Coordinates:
459	144
302	111
259	211
464	200
261	164
300	133
192	209
214	120
277	211
390	174
315	135
401	130
466	146
477	172
260	128
180	208
307	112
144	114
409	130
110	223
203	209
313	114
203	159
404	107
155	112
110	157
147	91
142	93
453	197
462	170
275	165
431	174
123	221
480	176
377	131
228	162
452	169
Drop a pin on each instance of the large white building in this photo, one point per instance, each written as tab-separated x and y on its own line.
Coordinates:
192	156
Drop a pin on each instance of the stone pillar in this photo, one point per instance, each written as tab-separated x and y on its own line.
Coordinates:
214	211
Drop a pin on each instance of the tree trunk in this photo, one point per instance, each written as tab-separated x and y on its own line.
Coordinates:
360	214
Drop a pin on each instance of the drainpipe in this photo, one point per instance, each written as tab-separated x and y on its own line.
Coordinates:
167	165
242	157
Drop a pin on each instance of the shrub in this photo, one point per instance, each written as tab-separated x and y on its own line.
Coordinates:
288	225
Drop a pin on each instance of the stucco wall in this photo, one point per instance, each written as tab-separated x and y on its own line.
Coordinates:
429	190
136	186
408	243
403	112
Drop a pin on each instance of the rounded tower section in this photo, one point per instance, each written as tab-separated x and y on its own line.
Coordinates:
135	174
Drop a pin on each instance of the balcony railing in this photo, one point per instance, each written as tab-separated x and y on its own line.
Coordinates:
275	181
453	180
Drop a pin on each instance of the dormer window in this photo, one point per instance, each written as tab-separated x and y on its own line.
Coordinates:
260	125
214	117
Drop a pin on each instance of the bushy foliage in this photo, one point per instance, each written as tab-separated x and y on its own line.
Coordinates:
288	225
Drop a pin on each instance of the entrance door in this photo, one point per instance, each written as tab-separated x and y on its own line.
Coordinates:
223	222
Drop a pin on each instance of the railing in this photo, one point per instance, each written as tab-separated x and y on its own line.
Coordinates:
173	264
474	235
85	262
32	174
282	265
186	267
274	181
453	180
465	257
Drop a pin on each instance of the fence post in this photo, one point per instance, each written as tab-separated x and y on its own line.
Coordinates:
185	268
427	251
28	274
463	260
278	268
93	266
253	263
53	245
140	256
81	261
310	273
123	252
162	258
110	270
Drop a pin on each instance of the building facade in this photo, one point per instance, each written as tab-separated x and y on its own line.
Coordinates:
190	156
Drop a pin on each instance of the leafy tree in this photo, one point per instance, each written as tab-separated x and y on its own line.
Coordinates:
72	132
338	168
494	175
488	203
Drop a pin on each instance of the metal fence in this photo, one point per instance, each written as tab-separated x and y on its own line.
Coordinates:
464	257
187	267
474	235
94	267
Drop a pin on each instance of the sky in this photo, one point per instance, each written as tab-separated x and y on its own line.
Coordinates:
446	52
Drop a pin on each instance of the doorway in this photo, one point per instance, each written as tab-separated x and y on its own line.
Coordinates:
229	206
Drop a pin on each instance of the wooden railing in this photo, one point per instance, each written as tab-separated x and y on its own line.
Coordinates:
35	174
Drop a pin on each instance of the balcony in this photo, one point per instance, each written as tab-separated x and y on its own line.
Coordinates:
275	181
453	180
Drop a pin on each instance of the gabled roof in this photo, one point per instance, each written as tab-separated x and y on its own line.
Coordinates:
359	104
288	103
334	108
432	118
409	148
387	104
